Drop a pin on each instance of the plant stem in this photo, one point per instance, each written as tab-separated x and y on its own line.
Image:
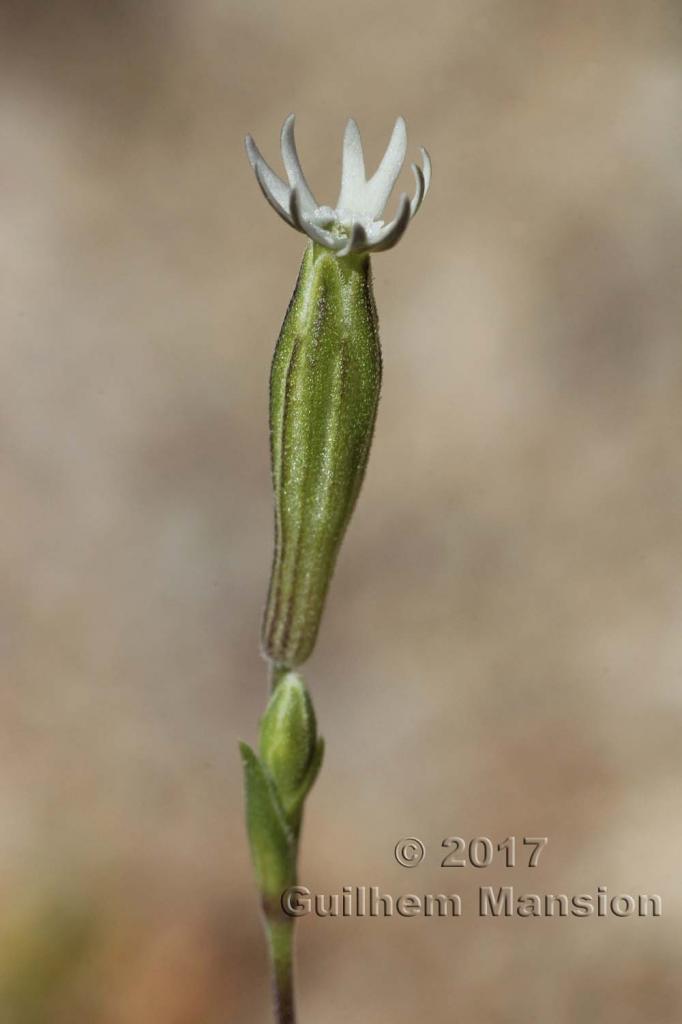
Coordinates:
281	943
276	673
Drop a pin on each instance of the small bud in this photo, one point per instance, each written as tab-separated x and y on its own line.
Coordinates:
289	746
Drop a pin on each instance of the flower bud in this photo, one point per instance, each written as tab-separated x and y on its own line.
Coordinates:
324	391
289	746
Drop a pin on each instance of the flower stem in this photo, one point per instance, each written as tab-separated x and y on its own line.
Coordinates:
277	671
281	944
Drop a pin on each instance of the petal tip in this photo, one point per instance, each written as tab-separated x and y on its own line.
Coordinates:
251	150
288	125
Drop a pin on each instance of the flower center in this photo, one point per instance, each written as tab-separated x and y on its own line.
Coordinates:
340	222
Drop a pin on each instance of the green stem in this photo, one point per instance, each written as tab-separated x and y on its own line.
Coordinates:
276	673
277	780
281	943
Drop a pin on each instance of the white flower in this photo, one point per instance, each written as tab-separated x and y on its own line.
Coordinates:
354	225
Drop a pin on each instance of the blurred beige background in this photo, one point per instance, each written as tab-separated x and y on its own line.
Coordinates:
501	652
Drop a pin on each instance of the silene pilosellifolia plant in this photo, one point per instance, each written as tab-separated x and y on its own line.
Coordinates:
324	391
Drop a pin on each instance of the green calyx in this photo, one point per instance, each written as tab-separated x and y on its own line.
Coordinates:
324	392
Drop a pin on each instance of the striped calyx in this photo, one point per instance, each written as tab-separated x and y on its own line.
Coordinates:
324	391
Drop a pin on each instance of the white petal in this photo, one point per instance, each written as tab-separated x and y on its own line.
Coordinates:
426	160
357	240
380	185
292	165
300	221
394	231
352	170
421	189
274	189
274	203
